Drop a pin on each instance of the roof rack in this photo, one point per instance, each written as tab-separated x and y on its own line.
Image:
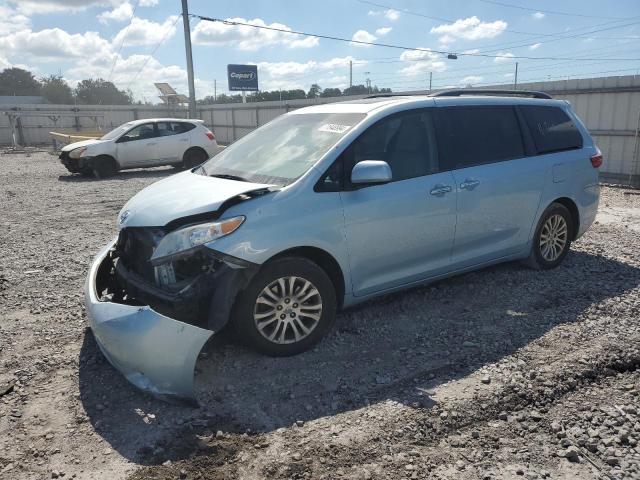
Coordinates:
479	91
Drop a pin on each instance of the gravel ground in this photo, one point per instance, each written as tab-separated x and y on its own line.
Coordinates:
502	373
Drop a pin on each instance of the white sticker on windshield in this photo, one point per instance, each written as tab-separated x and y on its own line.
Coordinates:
334	128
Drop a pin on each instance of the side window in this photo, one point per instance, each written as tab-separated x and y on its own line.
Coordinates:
184	127
168	128
140	132
469	136
332	179
552	129
405	141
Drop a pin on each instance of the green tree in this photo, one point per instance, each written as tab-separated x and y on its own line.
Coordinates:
16	81
56	90
315	91
356	90
331	92
101	92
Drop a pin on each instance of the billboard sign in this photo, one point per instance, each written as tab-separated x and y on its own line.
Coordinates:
242	78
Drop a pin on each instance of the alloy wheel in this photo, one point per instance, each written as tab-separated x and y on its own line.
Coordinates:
287	310
553	237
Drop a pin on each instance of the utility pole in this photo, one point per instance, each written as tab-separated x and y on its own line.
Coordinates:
187	46
215	90
515	79
350	73
368	82
430	79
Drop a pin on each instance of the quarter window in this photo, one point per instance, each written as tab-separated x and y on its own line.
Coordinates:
405	141
469	136
552	129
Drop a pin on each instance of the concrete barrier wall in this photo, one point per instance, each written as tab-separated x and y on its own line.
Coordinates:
609	106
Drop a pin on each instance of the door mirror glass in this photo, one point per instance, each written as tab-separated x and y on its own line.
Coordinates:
371	172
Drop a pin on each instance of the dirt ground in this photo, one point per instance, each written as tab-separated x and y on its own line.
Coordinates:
501	373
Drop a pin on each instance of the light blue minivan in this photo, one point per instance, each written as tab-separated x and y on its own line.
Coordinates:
331	205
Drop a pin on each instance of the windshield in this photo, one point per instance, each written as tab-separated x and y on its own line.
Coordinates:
283	149
116	132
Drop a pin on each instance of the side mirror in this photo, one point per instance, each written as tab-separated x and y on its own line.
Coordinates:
371	172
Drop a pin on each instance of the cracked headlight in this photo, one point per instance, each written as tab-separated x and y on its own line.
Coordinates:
77	152
190	237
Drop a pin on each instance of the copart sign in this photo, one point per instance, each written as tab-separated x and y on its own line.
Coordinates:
242	77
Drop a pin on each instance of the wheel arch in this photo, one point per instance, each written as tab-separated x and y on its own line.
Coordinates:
573	209
325	261
106	156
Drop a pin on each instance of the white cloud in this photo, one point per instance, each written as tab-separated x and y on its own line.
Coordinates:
389	14
469	29
503	57
423	53
290	75
248	38
509	75
32	7
473	51
535	46
381	32
538	15
286	69
145	32
363	36
422	62
423	67
471	79
118	14
148	3
54	44
12	21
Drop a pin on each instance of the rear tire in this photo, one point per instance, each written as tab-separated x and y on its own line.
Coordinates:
103	167
552	238
193	157
287	307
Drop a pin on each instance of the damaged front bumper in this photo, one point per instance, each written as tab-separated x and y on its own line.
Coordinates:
154	352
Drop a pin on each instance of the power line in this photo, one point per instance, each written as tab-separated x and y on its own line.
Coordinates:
551	12
124	36
449	20
150	56
385	45
534	35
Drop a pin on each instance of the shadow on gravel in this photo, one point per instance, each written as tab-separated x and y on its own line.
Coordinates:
123	175
394	348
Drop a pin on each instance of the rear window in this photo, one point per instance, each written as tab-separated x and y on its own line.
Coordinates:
552	129
470	136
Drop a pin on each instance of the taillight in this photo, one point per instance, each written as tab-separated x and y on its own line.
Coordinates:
210	135
596	160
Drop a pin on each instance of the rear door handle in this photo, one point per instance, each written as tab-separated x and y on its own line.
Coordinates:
469	184
184	139
440	190
151	143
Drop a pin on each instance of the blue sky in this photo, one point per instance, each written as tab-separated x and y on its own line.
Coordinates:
106	38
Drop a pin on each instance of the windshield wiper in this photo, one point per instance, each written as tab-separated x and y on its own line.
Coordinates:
229	177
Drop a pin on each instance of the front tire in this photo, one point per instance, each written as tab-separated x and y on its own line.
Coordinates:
104	167
552	239
287	307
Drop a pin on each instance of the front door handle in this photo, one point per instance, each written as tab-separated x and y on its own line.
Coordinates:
469	184
440	190
151	143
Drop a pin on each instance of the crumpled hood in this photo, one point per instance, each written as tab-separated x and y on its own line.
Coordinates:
83	143
179	196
